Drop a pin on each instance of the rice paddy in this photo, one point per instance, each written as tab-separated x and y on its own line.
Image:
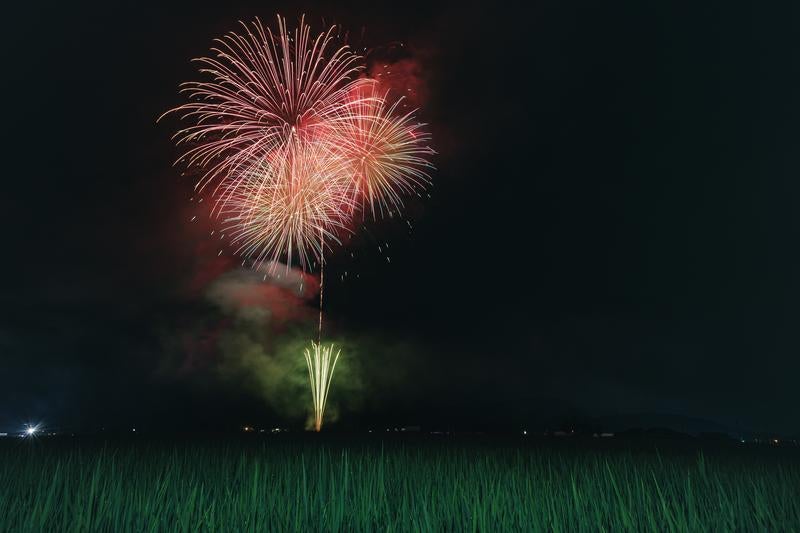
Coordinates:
423	484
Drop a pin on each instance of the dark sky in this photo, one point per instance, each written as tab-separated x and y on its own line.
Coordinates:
612	227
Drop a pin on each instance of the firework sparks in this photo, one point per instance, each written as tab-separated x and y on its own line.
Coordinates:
388	152
288	206
321	362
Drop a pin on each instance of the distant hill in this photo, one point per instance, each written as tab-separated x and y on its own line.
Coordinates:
658	421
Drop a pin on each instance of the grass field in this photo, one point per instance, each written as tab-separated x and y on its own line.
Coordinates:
278	484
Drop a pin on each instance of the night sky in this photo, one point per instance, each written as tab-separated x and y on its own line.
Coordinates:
612	228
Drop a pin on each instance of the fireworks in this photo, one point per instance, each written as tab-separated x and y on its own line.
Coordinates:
321	362
298	143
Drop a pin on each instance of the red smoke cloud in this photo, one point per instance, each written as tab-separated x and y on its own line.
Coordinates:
282	305
403	78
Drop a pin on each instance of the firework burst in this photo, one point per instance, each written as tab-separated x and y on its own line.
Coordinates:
285	207
388	151
264	88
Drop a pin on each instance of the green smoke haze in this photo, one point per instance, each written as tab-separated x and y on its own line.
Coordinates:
249	334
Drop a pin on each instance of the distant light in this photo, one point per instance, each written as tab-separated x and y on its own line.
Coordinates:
524	431
134	430
31	430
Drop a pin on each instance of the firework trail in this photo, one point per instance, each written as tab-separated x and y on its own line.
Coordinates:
321	362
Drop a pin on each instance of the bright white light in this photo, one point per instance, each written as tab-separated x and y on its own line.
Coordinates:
31	430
